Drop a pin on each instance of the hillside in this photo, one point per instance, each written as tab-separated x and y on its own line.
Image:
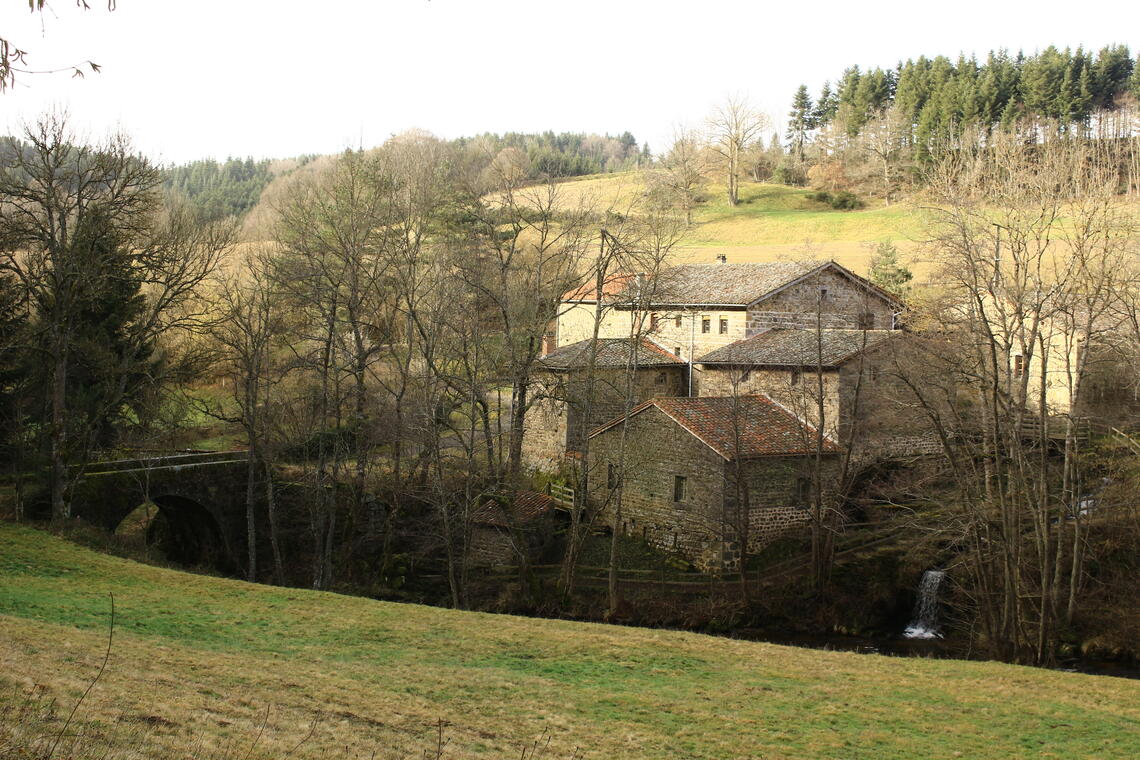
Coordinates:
772	222
198	661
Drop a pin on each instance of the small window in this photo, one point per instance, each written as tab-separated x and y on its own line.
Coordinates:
723	326
867	320
661	378
823	294
678	488
611	476
873	373
653	319
706	325
1018	365
677	321
803	491
677	351
795	376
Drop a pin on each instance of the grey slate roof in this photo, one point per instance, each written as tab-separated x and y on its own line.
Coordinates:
797	348
612	352
726	284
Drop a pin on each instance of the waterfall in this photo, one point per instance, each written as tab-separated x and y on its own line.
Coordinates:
924	620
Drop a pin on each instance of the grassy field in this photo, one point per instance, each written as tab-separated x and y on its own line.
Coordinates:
213	667
771	223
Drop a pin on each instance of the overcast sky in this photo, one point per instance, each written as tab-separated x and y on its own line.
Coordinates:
274	78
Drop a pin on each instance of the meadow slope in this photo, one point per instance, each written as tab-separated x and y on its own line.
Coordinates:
198	661
771	223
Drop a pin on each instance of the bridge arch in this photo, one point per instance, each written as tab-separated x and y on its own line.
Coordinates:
200	503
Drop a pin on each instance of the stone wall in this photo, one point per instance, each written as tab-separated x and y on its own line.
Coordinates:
886	424
556	424
843	306
658	450
703	527
545	435
491	547
780	496
797	390
682	330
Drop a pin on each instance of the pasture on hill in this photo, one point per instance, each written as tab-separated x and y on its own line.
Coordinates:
208	667
771	223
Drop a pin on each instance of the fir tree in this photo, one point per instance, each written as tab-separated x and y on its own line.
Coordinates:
801	121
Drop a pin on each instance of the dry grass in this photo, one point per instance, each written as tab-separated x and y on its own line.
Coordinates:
772	223
198	661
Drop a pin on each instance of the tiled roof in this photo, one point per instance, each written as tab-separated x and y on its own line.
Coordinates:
797	348
721	284
726	284
587	292
612	352
765	428
528	507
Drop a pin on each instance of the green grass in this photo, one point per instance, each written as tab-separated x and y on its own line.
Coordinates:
771	222
199	659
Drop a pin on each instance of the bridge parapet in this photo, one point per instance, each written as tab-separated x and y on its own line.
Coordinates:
202	496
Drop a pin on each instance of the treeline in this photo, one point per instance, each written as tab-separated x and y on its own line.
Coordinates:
941	97
231	188
877	131
567	154
234	187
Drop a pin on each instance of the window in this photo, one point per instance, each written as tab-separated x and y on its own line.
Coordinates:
1018	365
867	320
706	325
803	491
723	325
653	319
661	378
677	321
823	294
677	351
795	377
611	476
678	488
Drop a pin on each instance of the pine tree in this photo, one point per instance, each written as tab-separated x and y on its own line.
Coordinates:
887	272
801	121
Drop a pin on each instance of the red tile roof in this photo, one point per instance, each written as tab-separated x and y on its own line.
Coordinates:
528	507
763	427
587	292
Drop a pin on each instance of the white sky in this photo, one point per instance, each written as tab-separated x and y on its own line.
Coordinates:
274	78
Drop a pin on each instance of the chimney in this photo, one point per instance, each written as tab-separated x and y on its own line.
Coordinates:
721	258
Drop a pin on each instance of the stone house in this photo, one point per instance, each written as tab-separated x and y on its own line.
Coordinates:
565	410
696	308
502	539
860	391
704	476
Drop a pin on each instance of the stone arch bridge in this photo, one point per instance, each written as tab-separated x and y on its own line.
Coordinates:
201	497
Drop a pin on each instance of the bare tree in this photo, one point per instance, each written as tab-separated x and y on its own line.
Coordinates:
733	127
675	182
245	332
78	222
1030	239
